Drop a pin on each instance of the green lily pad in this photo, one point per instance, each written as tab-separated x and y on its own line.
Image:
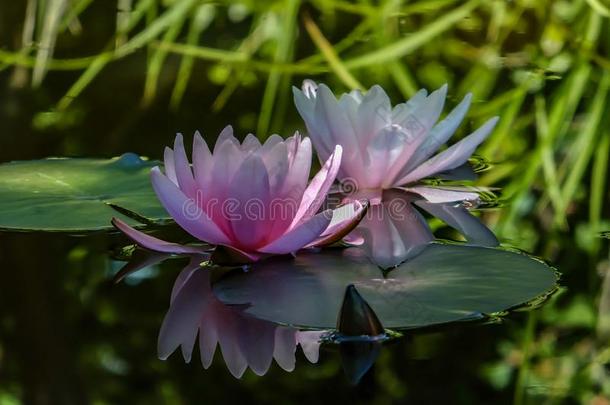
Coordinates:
61	194
445	283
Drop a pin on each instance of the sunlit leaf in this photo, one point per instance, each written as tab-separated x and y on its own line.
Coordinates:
76	194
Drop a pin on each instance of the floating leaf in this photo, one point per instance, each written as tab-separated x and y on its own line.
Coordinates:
61	194
445	283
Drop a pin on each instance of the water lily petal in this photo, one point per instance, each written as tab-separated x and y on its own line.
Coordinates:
169	165
226	135
345	219
314	195
152	243
208	337
257	341
202	162
337	130
277	164
186	273
310	342
458	217
185	211
184	174
250	191
437	136
285	348
374	113
415	128
305	105
442	195
229	331
299	236
394	230
402	111
180	325
250	143
454	156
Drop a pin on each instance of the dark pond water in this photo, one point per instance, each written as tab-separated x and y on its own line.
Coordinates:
72	336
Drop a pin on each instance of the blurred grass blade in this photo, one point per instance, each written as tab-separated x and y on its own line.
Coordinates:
492	149
548	162
72	13
410	43
329	53
124	8
599	7
202	19
256	38
20	76
46	43
587	142
285	42
599	180
148	34
158	57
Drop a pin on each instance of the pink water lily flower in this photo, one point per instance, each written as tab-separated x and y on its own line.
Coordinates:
196	315
251	198
387	152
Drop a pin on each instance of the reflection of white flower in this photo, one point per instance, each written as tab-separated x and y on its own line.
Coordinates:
393	148
244	341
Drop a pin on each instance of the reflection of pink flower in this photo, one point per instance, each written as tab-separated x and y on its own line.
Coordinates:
393	148
244	341
252	198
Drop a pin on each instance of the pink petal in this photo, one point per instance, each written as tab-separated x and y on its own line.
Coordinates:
226	160
299	236
185	211
228	326
285	347
181	322
137	262
250	190
345	219
318	188
454	156
257	339
226	135
186	273
250	143
287	200
276	162
441	195
169	165
184	174
152	243
310	343
224	255
202	162
298	174
208	337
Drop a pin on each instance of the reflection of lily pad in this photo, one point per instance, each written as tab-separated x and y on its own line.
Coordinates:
76	194
444	283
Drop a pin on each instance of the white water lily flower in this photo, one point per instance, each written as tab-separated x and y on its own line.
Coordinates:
387	152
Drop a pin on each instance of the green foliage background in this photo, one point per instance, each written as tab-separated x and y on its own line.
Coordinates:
99	78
